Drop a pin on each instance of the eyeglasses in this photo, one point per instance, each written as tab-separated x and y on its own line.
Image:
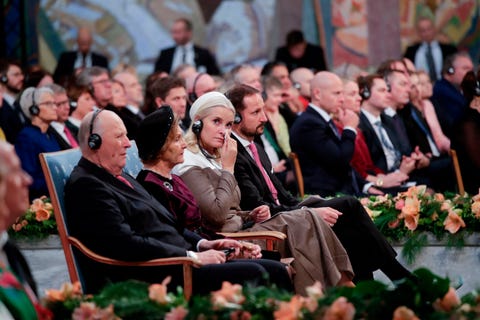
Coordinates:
48	104
102	82
62	103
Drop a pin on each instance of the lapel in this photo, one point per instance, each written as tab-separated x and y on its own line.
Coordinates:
137	193
371	135
312	113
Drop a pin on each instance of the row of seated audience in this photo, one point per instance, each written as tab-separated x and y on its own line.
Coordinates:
217	162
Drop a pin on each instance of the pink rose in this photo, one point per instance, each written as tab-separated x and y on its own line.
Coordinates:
158	292
448	302
400	204
403	313
340	309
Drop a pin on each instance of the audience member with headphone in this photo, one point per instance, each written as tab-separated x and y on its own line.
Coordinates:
12	120
81	103
39	106
449	102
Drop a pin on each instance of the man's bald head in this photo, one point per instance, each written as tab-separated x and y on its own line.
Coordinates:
327	91
84	40
302	77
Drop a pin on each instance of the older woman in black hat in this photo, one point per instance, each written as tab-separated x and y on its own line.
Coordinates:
160	147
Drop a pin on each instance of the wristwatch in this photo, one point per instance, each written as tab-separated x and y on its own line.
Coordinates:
379	182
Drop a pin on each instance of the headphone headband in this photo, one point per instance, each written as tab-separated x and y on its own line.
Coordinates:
94	139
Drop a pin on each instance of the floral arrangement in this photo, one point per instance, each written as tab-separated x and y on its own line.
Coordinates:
37	223
425	296
412	214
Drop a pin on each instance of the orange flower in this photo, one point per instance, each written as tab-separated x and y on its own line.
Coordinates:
227	295
434	216
403	313
364	201
340	309
158	292
446	205
17	227
67	290
439	197
476	209
88	310
289	310
394	224
42	215
178	313
36	205
411	213
400	204
448	302
24	223
315	291
453	222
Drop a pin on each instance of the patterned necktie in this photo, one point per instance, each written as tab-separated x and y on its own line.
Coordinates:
431	63
267	179
119	177
71	140
184	55
388	144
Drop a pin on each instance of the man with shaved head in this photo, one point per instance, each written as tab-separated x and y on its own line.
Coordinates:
301	78
324	152
72	61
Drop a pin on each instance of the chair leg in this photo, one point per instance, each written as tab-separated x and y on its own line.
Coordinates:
187	281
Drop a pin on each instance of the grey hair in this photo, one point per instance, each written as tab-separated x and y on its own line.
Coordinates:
31	96
57	89
84	78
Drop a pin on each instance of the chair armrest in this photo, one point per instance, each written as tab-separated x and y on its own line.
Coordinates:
274	235
154	262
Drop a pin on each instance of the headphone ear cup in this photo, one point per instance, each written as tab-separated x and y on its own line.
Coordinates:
297	85
264	95
192	97
197	127
94	141
365	93
477	88
237	118
34	110
451	70
4	78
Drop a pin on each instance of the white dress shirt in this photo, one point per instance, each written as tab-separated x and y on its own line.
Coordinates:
421	57
178	56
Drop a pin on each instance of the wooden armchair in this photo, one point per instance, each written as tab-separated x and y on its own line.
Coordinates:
458	172
298	173
57	167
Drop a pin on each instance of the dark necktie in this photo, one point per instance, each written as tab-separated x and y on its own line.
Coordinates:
431	63
427	133
334	128
84	60
184	55
256	157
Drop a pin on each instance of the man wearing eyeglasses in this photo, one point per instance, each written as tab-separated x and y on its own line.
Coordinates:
99	82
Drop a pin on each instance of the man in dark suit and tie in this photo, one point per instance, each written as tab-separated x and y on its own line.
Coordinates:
82	58
12	119
429	54
113	215
185	52
366	247
324	153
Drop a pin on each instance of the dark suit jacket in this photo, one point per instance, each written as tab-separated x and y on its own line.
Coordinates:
447	50
374	144
66	63
123	223
62	143
130	120
324	158
73	129
202	57
253	188
450	105
313	58
19	265
416	135
11	121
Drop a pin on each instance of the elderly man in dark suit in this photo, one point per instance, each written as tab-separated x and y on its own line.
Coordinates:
366	247
81	58
428	54
185	52
115	216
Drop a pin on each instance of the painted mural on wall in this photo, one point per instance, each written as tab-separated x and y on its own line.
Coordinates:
237	31
134	31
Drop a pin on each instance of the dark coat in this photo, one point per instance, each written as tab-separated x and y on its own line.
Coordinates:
313	58
202	57
66	63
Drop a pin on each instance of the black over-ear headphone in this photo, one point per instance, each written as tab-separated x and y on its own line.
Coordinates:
385	78
192	96
365	92
297	85
94	139
264	95
197	127
451	70
237	118
4	78
477	88
34	109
